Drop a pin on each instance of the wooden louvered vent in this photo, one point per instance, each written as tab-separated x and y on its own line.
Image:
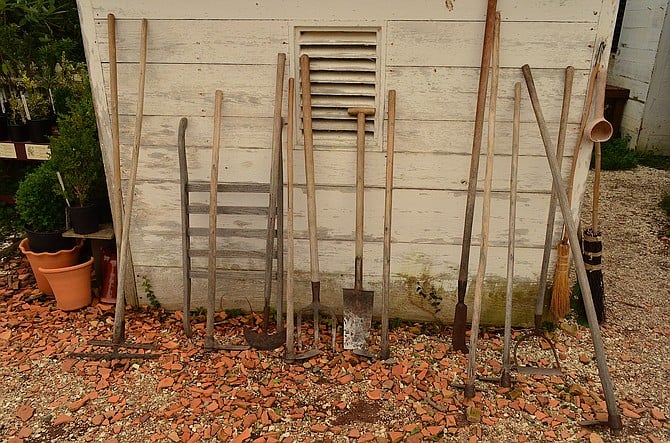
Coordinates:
344	72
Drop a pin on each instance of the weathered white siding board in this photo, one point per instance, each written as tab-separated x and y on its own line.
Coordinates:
443	93
198	41
430	55
415	43
351	10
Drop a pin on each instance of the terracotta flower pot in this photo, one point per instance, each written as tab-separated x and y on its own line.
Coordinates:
71	285
46	260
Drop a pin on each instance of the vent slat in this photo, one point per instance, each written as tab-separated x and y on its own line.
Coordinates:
337	76
339	125
342	89
342	102
338	37
330	52
343	65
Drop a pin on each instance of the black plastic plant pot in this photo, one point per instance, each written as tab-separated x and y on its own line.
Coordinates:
39	130
18	133
48	241
84	219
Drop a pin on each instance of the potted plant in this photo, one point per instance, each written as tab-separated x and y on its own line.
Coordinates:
76	155
41	209
42	212
38	105
17	124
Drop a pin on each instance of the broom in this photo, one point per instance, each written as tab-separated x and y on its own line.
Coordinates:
560	292
592	247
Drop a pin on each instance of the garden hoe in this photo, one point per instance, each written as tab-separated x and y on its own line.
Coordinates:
505	376
290	260
614	416
263	340
486	213
548	241
461	310
118	339
388	211
357	303
316	306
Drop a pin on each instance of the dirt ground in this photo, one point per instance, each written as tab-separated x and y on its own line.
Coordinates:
188	395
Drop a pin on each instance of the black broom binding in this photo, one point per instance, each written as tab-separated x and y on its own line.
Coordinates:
592	247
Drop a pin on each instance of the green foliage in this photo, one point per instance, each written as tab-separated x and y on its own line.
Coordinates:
76	151
9	222
232	313
653	160
617	156
17	114
149	292
665	202
38	201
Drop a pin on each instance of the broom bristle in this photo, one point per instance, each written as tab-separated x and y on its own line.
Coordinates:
560	293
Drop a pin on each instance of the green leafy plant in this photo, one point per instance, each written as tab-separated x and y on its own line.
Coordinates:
149	292
665	202
76	151
617	156
17	114
38	203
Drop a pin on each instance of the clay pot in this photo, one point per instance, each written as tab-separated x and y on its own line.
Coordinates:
71	285
47	260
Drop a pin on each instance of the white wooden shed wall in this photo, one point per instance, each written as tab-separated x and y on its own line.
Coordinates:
430	55
642	64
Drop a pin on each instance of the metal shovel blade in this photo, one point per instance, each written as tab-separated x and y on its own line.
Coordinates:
263	341
357	310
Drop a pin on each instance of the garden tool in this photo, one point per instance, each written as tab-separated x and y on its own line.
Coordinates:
599	130
117	203
614	416
357	303
505	376
461	310
316	306
263	340
486	211
388	212
560	292
290	260
118	340
548	241
592	246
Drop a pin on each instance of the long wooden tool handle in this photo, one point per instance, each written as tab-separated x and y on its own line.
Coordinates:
388	212
114	110
476	149
486	211
119	313
605	379
213	203
309	166
360	200
274	179
505	379
290	345
596	189
551	216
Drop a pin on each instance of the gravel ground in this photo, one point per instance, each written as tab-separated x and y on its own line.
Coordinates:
189	395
